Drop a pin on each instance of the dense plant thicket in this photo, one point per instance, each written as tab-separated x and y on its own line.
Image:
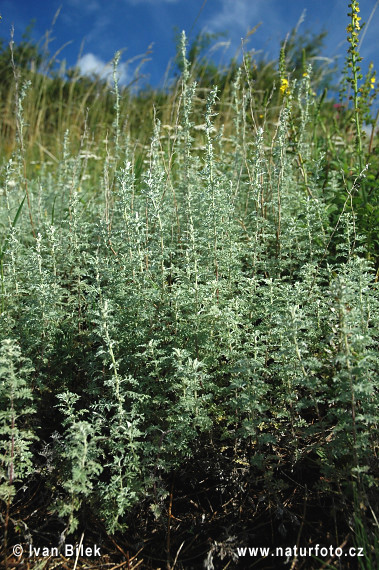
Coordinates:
213	303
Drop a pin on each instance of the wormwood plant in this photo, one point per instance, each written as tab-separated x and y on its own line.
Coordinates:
198	307
79	453
120	418
16	409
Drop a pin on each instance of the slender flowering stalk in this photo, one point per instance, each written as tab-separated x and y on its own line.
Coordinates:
353	60
284	83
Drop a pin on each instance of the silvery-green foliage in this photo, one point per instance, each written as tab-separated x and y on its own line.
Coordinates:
16	409
80	455
205	302
123	450
352	352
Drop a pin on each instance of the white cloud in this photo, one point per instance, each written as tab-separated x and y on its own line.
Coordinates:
90	64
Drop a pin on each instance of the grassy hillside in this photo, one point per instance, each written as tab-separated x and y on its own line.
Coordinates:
189	319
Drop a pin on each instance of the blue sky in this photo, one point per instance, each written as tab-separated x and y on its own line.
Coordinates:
96	29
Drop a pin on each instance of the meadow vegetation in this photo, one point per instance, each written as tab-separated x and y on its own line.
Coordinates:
189	310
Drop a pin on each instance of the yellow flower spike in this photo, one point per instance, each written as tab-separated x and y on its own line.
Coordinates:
284	88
